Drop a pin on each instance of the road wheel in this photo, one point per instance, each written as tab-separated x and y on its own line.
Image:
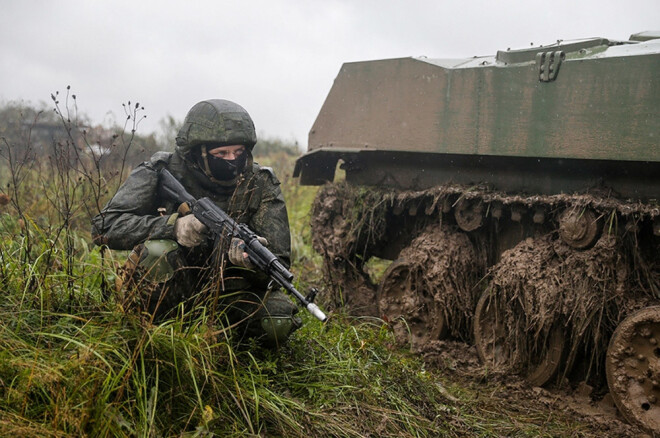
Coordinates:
490	335
409	308
580	228
632	366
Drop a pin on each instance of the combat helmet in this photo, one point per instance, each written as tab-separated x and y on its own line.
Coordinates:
216	121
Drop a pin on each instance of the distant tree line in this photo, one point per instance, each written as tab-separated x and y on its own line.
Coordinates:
26	128
38	133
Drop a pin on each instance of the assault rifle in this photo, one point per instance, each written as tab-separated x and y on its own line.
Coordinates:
220	224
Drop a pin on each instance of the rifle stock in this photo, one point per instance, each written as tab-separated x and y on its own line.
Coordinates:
219	223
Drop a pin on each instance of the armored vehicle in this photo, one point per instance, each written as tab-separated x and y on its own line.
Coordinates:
517	198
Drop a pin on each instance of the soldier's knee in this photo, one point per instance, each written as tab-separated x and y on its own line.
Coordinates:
153	277
278	319
155	260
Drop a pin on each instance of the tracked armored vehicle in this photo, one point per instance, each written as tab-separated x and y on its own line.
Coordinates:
517	196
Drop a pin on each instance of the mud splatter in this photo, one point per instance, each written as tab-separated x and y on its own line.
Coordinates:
442	264
543	283
342	230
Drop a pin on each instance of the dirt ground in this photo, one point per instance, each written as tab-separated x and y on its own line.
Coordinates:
458	361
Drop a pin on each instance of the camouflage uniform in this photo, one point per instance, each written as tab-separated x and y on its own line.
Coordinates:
138	218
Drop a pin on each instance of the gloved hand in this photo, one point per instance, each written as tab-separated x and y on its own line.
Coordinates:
189	231
237	254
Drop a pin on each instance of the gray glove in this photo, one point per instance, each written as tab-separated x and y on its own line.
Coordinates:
237	254
189	231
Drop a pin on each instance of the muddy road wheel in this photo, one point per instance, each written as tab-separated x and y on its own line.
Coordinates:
580	228
469	214
409	309
632	365
490	336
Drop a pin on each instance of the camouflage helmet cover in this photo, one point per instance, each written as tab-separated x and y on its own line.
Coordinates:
218	122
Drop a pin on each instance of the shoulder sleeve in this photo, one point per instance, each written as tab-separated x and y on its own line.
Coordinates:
131	216
269	172
159	160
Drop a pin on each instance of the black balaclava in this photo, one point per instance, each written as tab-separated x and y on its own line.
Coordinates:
223	171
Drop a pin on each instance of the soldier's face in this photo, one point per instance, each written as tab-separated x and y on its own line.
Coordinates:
228	152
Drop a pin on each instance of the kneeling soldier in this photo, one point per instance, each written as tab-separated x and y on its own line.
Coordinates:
173	261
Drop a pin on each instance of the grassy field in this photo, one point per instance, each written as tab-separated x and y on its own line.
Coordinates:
74	363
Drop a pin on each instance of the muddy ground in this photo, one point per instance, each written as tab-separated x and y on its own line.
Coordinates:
459	362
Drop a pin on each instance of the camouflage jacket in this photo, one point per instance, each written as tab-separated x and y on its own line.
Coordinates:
132	215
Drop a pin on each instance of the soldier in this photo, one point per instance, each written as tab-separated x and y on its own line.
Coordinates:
173	265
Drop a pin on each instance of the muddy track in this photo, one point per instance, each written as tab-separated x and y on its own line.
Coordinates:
538	283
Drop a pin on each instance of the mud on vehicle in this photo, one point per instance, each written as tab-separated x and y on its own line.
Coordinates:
517	198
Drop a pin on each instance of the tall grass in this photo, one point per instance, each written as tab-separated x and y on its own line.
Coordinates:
97	371
74	363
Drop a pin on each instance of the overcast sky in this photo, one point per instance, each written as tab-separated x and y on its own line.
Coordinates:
276	58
